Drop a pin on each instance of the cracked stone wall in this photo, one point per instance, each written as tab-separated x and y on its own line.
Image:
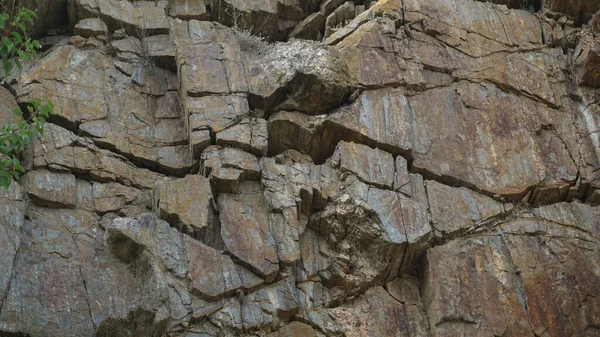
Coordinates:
308	168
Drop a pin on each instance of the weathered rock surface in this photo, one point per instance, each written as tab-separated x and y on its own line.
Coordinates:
420	168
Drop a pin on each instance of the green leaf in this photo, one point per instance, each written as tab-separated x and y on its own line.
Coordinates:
5	180
18	37
7	65
21	26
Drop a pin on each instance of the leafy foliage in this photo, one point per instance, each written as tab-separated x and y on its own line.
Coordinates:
14	43
15	46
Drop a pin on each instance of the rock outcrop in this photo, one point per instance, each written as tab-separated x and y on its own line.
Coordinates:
308	168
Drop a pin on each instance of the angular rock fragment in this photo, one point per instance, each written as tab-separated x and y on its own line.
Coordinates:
211	273
245	229
289	194
477	267
295	329
215	112
186	203
84	92
113	197
376	313
216	156
266	306
250	135
586	64
142	15
51	189
581	11
454	210
199	140
60	149
91	27
372	166
313	83
12	218
310	28
189	10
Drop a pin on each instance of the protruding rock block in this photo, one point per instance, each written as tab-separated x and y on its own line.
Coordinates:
311	28
245	229
51	189
455	210
186	203
91	27
587	63
212	274
250	135
189	9
373	166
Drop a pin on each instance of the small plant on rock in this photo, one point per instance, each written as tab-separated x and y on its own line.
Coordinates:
16	46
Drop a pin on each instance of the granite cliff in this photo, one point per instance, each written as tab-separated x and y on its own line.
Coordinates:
308	168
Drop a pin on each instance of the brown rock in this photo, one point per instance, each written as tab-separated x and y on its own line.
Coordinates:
215	112
188	10
595	24
297	131
12	218
161	50
479	292
373	166
295	329
310	28
374	313
61	149
141	15
212	274
199	141
329	6
581	11
51	189
557	287
33	308
225	179
586	64
245	229
288	190
266	306
9	104
474	16
444	162
250	135
129	237
113	197
401	175
215	156
455	210
85	91
366	231
313	83
91	27
186	203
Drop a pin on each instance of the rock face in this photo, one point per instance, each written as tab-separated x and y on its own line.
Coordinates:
308	168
